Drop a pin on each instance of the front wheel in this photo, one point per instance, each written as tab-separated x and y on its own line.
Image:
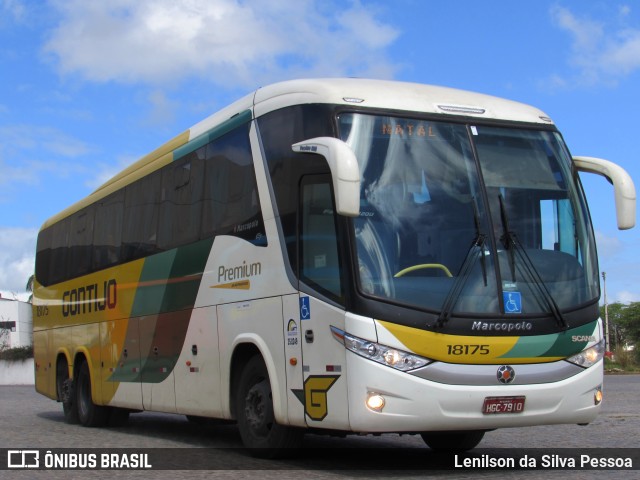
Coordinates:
254	411
453	441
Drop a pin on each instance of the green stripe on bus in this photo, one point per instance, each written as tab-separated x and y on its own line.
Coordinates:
153	284
170	280
185	276
531	347
572	341
552	345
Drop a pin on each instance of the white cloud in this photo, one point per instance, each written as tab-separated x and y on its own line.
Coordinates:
17	257
228	42
162	108
623	57
602	52
43	139
586	33
106	171
624	10
626	296
29	152
14	9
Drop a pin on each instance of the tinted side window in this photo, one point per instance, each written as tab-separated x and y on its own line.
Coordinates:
210	191
43	256
181	202
80	242
231	203
59	252
141	207
107	231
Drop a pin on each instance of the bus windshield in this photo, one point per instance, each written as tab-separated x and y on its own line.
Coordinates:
467	220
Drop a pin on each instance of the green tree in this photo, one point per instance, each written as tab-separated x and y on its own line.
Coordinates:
624	323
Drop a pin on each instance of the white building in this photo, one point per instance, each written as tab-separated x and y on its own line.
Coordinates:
16	323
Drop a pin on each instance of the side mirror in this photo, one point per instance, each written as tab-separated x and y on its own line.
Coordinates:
624	190
344	171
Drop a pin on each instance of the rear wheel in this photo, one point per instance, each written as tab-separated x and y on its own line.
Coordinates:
65	391
453	441
89	414
254	411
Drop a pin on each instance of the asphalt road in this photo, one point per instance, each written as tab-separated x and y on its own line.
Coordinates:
29	420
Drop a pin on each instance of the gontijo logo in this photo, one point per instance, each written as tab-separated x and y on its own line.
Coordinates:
90	298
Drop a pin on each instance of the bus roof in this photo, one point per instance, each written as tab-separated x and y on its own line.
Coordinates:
362	93
383	94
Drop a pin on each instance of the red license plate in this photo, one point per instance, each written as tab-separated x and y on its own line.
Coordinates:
495	405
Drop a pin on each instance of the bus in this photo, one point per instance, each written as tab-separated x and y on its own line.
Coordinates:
337	256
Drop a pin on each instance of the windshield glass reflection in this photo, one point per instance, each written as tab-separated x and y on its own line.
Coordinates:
425	236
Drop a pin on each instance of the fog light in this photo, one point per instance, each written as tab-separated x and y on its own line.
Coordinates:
597	397
375	402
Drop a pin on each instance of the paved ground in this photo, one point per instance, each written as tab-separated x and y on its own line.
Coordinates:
29	420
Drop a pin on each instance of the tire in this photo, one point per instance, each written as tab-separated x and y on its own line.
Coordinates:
254	411
89	414
66	393
453	441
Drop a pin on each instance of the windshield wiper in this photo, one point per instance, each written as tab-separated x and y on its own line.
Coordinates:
514	248
465	270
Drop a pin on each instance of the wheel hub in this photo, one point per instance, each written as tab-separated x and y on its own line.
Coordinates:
257	408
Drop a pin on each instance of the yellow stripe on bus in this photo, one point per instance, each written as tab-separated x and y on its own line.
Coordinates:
459	348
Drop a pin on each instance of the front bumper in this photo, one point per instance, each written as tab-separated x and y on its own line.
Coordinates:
414	404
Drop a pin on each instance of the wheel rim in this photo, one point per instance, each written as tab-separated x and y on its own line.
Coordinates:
258	410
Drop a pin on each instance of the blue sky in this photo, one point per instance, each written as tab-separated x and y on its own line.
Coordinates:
87	87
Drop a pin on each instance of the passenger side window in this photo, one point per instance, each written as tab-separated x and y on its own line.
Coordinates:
59	252
207	192
80	242
107	231
231	203
181	202
142	200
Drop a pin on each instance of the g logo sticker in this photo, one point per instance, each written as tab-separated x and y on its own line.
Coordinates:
314	397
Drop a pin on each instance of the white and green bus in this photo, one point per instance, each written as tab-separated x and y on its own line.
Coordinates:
340	255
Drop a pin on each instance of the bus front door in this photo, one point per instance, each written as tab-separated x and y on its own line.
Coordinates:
324	387
324	390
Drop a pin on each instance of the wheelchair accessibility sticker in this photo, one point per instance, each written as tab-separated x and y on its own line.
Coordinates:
305	308
512	302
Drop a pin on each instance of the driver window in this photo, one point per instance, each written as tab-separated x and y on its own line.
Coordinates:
319	259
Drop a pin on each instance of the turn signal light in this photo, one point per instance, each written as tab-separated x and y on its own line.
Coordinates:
597	397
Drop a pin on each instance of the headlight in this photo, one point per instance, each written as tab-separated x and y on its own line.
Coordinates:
391	357
589	356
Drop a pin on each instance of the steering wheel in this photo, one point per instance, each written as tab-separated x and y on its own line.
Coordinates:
423	266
